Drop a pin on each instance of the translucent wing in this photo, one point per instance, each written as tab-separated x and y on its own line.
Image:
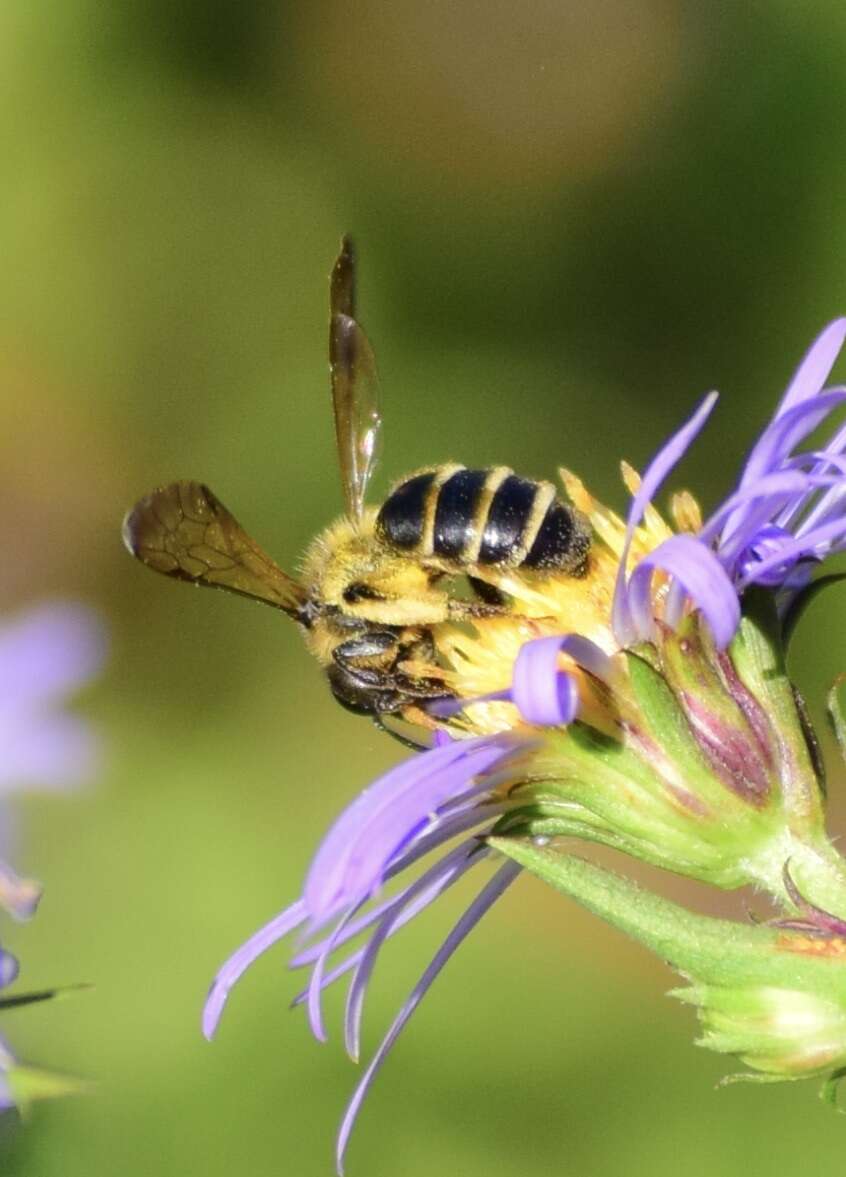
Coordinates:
184	531
355	386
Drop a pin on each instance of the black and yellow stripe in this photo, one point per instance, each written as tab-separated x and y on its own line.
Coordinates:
485	517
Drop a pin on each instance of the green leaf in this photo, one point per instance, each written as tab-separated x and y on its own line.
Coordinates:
18	999
28	1084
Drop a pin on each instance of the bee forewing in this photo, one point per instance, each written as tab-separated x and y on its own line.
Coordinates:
184	531
355	385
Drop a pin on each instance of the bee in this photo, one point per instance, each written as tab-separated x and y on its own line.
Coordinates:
376	582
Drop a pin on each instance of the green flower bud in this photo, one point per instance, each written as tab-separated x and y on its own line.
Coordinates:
783	1033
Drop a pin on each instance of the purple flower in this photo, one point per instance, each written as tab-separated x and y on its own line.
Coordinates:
45	654
674	764
786	515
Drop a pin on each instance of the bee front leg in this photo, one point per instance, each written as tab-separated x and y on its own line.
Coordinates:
376	650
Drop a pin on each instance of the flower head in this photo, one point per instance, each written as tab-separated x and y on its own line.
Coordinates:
643	704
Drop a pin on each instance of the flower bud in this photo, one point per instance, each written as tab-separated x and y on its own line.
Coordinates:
781	1033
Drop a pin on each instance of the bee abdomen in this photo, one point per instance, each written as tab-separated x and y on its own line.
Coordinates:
456	513
486	517
402	518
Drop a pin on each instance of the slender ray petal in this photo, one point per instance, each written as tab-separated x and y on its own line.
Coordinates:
657	470
315	985
446	829
406	912
428	887
350	862
801	545
815	367
543	693
243	957
777	442
831	459
760	497
704	580
487	897
350	962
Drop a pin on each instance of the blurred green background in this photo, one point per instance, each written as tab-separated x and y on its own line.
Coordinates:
573	219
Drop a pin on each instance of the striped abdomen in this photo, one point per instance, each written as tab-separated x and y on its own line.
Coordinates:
484	517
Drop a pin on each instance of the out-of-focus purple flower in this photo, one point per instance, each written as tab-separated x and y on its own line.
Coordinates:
450	794
787	514
47	653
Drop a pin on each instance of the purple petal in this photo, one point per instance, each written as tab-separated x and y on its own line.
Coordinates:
409	911
768	541
825	537
777	442
315	985
416	898
543	693
446	708
9	968
351	860
764	495
488	896
831	499
48	652
704	580
243	957
447	828
815	367
51	750
657	470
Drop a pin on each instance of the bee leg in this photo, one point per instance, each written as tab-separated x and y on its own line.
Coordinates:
376	650
367	667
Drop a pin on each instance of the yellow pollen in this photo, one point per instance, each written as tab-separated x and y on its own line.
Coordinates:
477	659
